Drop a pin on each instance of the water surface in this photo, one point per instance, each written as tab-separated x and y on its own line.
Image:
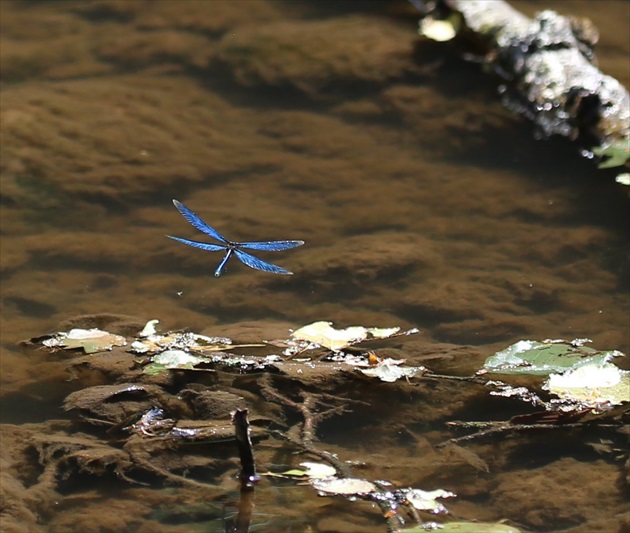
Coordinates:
423	203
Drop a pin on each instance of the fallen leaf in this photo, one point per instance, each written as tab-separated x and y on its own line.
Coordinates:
592	385
345	487
426	500
390	370
439	30
174	359
91	340
544	358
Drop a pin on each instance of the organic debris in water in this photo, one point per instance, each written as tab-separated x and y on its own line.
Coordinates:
583	378
427	501
440	30
591	385
343	486
91	340
323	335
191	351
152	342
309	470
157	418
544	358
325	481
176	360
390	370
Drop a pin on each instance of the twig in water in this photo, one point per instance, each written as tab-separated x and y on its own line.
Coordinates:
245	450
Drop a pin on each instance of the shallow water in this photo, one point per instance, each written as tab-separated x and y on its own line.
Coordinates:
423	203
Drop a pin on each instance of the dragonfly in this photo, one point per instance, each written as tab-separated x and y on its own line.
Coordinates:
233	248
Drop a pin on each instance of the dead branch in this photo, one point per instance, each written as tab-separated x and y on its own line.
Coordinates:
548	64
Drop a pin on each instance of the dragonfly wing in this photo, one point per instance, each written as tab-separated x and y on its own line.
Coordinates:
273	246
197	222
259	264
197	244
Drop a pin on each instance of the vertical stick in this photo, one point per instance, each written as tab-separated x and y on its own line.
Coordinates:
245	450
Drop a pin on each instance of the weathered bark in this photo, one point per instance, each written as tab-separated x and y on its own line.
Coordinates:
547	63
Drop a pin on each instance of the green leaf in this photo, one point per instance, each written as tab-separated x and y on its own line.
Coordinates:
311	470
623	178
295	473
544	358
615	154
174	359
318	470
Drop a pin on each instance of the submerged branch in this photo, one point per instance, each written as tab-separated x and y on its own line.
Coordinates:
309	426
495	428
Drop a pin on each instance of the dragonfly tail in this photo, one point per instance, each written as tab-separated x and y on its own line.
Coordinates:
221	266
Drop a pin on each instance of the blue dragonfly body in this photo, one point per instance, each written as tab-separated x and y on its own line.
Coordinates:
235	248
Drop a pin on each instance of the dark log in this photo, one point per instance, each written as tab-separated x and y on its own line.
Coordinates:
550	77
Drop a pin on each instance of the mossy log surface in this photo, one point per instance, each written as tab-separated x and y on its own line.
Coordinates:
550	71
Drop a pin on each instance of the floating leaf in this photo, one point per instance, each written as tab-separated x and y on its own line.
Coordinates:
544	358
426	500
322	334
383	333
174	359
390	370
623	178
439	30
615	154
294	472
91	340
592	385
344	487
140	347
184	341
149	328
311	470
318	470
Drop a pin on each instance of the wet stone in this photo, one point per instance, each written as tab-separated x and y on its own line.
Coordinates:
212	404
111	403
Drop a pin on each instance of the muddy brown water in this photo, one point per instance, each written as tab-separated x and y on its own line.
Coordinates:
423	203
